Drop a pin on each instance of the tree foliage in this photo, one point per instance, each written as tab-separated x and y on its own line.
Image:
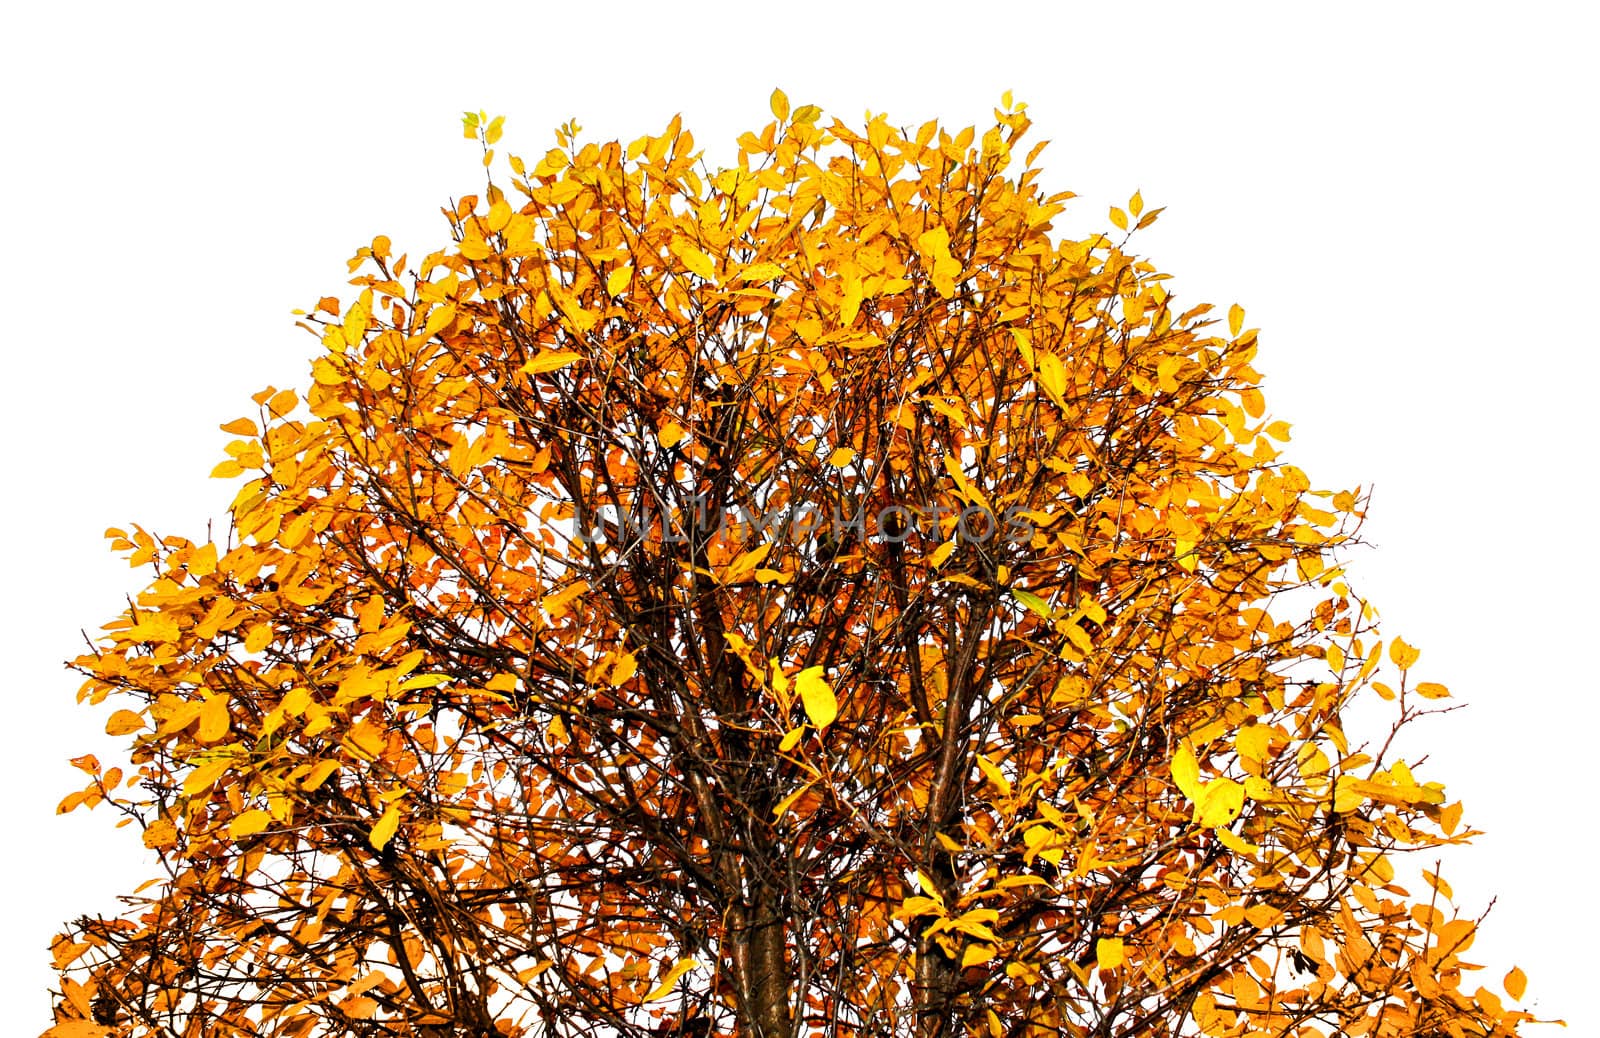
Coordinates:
800	598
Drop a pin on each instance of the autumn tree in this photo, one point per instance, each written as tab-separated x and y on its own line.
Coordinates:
798	598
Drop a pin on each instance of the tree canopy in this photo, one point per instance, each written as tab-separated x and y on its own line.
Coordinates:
806	597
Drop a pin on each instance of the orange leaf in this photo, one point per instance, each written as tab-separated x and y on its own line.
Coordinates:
124	721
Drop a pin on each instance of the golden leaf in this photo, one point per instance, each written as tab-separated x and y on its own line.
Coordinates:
214	719
124	721
160	833
696	261
205	775
670	980
761	272
977	954
384	830
550	360
820	704
1402	655
249	823
626	666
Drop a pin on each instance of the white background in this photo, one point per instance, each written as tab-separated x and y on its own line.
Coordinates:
1402	198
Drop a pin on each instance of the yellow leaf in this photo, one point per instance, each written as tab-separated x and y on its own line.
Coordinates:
947	409
1432	690
841	457
214	719
201	778
1252	742
696	261
1220	803
366	740
282	403
821	706
994	775
319	774
249	823
791	739
565	191
384	831
745	564
1052	376
1186	772
1038	605
1516	983
160	833
1235	843
670	981
977	954
257	637
968	491
1108	952
124	721
1279	431
1119	218
550	360
555	603
1024	345
496	126
153	629
780	105
788	801
241	427
1402	654
761	272
439	318
227	469
354	326
671	435
325	374
623	669
203	562
618	280
935	245
1235	320
850	305
499	216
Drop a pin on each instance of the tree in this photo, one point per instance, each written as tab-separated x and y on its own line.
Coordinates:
797	598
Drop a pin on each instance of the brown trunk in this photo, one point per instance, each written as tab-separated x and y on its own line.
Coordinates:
769	975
